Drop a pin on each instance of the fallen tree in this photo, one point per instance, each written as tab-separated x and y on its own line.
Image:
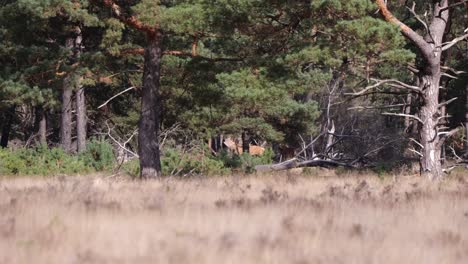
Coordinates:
295	163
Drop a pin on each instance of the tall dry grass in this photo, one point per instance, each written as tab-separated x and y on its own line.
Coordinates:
255	219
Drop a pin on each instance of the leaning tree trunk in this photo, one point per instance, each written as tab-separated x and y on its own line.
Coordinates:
81	119
66	113
150	164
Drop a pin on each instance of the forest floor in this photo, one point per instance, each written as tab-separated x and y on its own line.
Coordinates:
282	218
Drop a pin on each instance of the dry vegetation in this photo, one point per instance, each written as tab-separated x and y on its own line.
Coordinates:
251	219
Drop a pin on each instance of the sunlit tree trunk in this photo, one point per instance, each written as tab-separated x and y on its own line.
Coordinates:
81	119
41	126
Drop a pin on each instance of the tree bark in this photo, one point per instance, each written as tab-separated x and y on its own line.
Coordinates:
66	113
150	164
41	126
245	143
408	112
80	98
6	129
431	165
466	107
81	119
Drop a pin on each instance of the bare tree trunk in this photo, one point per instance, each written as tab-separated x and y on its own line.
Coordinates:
66	114
431	165
81	119
41	126
6	129
408	112
430	49
150	164
466	107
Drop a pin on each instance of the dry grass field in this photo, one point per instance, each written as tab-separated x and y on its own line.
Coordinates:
245	219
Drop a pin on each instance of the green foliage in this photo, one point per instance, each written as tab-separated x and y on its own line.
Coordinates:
44	161
99	154
245	163
40	161
176	162
179	163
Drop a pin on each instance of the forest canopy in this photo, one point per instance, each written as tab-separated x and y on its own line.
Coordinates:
180	87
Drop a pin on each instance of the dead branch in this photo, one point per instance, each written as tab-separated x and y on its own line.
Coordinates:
391	82
452	6
422	45
452	70
413	12
293	163
447	102
404	115
376	107
122	146
446	135
448	45
113	97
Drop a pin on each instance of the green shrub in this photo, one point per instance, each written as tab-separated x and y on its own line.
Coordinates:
245	162
132	167
44	161
176	162
99	154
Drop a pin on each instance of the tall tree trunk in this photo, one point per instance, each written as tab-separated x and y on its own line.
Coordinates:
66	113
466	120
431	165
150	164
80	98
81	119
6	129
430	51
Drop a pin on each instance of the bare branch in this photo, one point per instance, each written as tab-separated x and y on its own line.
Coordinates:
416	152
448	102
452	70
391	82
417	143
447	135
458	158
413	12
122	146
452	6
404	115
449	76
417	39
113	97
448	45
368	107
